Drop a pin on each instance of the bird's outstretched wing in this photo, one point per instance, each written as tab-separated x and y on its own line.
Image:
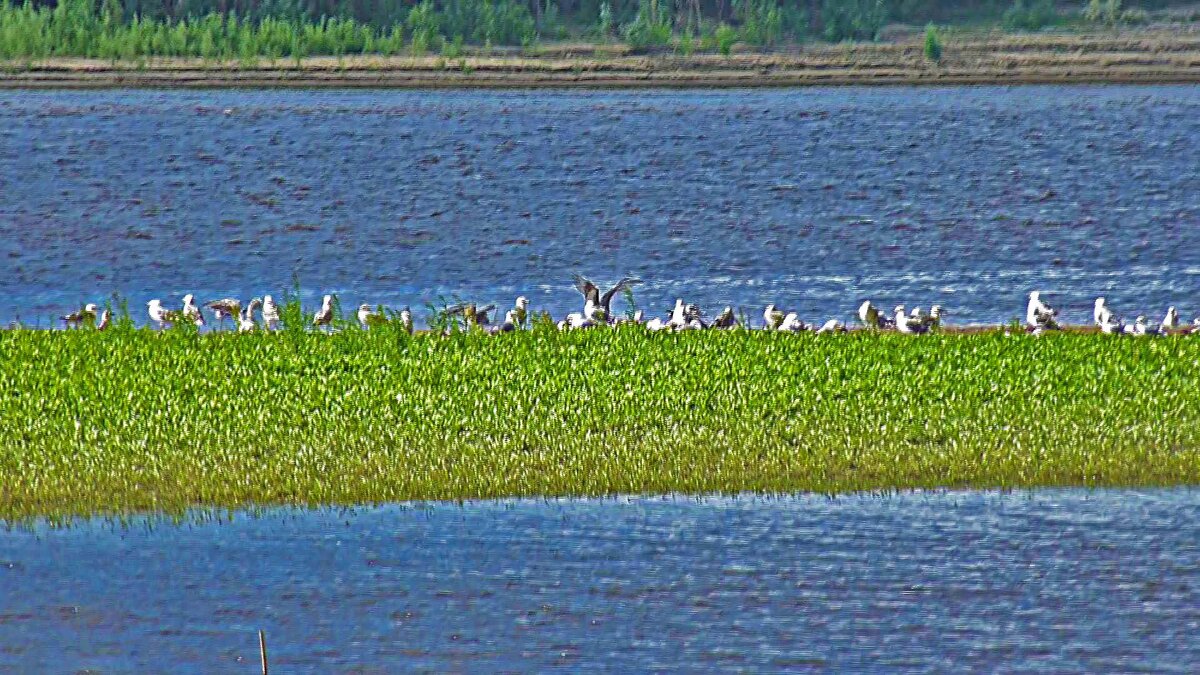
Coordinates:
585	286
224	304
627	282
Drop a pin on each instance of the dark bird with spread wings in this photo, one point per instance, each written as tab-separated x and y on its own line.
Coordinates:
594	300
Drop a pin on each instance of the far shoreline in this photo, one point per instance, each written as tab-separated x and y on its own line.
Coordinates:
1147	56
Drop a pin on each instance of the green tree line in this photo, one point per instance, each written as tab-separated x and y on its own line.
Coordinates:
252	29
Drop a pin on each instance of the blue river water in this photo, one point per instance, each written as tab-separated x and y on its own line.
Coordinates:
812	199
1048	581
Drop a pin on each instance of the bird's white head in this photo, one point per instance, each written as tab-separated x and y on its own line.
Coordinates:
1100	301
364	307
326	301
189	299
91	307
638	315
899	309
267	299
154	303
936	310
522	302
510	316
1035	296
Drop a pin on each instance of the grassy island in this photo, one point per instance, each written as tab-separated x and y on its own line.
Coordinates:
131	420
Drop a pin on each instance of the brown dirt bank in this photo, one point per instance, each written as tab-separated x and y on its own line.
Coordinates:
1144	56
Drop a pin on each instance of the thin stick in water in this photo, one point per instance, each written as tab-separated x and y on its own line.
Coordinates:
262	649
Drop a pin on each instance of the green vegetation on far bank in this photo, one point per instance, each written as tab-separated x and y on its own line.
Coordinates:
131	420
251	31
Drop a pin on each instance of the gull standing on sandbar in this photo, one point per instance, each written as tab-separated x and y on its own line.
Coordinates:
1171	321
324	316
246	319
160	315
1038	314
191	312
270	313
366	318
792	323
772	318
1101	314
868	314
906	324
521	311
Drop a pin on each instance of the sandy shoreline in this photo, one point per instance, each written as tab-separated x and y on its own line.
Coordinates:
1135	57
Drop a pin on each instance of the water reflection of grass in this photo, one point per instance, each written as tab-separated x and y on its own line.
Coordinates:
130	420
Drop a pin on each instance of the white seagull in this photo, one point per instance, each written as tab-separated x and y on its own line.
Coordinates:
934	320
1101	314
1038	314
270	313
105	319
868	314
792	323
679	317
1110	326
368	318
657	324
832	326
161	315
906	325
190	311
84	316
521	311
406	321
324	316
246	319
1140	327
1170	321
772	318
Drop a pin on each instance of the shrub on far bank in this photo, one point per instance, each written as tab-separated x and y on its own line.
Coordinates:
1030	17
933	44
725	36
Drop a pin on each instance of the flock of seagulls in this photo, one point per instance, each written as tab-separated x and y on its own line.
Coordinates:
913	323
1110	324
597	311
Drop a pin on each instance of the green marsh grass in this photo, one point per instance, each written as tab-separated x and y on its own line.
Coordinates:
131	420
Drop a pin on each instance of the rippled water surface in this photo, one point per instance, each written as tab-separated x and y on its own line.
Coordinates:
811	198
1062	581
